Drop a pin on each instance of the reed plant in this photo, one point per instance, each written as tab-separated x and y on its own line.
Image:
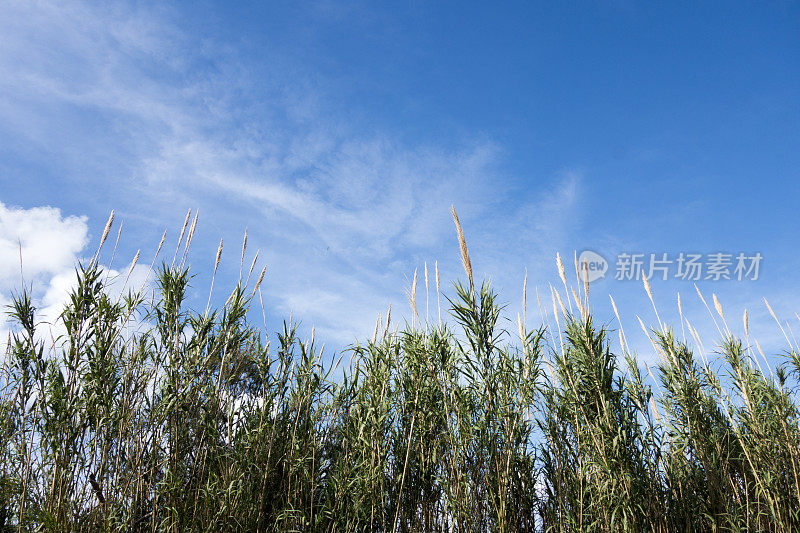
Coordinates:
146	415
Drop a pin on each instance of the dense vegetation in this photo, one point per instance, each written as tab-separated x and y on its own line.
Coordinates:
196	421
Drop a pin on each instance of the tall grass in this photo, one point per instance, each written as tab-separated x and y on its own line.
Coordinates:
201	421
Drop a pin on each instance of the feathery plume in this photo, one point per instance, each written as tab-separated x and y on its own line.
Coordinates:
192	228
190	236
180	237
464	252
412	297
718	306
647	287
96	258
680	314
652	301
426	294
213	277
160	244
183	229
561	302
133	263
252	266
553	296
219	255
746	324
585	268
130	270
614	306
116	243
622	339
244	247
388	320
578	302
107	228
260	279
561	273
525	298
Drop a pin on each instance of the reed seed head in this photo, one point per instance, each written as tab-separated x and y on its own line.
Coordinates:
746	323
219	255
107	228
463	245
561	273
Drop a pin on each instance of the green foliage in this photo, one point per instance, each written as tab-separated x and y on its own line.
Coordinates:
199	422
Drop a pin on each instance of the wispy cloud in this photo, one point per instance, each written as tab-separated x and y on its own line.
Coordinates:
127	109
119	95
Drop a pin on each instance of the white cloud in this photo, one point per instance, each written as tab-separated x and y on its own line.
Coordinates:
47	241
50	246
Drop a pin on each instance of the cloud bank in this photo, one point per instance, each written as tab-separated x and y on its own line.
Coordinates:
40	249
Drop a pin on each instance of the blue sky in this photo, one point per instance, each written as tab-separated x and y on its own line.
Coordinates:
339	134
